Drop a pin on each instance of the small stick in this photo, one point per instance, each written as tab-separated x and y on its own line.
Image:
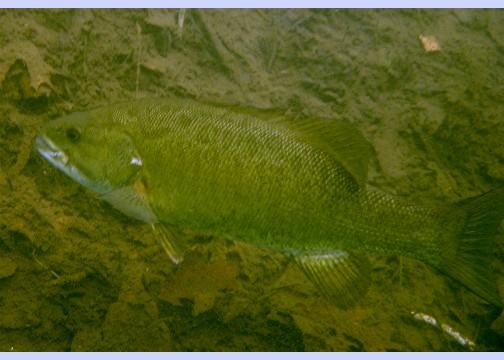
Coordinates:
45	266
180	20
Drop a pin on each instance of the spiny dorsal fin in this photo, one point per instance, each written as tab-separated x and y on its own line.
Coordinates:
342	277
338	138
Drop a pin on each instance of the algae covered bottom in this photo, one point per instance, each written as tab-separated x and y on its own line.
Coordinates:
77	274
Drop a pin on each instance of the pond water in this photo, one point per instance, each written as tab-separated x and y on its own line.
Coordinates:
425	87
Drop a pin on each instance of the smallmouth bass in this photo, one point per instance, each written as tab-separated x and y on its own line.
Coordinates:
295	186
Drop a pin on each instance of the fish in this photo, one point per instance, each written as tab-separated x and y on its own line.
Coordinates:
291	184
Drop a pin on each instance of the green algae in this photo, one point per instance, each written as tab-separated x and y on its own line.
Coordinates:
77	275
7	267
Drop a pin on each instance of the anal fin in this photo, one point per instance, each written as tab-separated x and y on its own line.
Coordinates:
340	276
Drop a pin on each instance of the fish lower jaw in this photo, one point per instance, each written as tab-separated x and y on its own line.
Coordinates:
51	152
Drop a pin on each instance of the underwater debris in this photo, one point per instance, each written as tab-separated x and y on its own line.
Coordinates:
28	56
268	49
180	20
44	266
446	328
429	43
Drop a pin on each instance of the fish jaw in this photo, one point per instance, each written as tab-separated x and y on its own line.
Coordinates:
61	161
49	151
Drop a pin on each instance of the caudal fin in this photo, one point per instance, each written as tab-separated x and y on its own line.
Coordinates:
468	258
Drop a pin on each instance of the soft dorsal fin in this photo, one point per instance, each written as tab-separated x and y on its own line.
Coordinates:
338	138
343	278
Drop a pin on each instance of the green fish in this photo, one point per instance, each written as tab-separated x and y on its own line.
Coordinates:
293	185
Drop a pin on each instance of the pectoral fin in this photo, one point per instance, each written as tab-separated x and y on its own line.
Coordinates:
131	200
340	276
169	242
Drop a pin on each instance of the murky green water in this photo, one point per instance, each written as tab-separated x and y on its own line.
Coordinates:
77	275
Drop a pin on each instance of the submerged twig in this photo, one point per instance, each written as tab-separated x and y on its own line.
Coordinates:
455	335
45	266
180	20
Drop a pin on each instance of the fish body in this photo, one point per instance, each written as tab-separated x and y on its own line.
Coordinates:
293	186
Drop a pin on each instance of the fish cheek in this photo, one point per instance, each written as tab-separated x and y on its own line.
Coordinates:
122	162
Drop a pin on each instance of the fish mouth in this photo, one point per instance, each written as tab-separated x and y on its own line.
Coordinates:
51	152
60	160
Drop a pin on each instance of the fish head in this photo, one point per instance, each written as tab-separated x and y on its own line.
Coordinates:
91	150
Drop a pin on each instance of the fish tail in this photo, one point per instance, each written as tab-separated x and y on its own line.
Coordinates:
467	256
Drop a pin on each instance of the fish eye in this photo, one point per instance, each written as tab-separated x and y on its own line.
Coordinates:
73	134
